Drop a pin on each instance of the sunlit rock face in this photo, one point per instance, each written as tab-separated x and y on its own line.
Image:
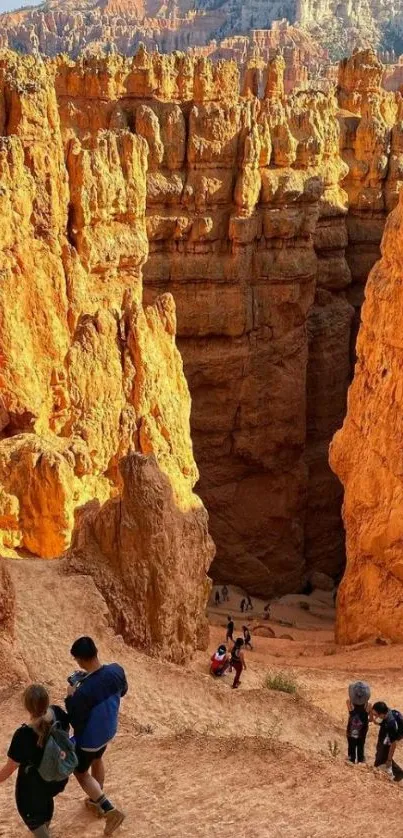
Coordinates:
261	217
87	372
367	456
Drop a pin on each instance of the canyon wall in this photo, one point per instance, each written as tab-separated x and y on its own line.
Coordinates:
87	372
261	213
367	456
246	225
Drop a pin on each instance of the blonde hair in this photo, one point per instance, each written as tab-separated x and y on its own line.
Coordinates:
36	701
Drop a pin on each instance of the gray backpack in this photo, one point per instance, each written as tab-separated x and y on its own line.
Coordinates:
59	756
359	693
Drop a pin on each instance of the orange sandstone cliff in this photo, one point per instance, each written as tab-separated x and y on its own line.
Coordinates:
88	374
367	456
250	210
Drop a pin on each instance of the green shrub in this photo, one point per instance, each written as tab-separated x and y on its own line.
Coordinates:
283	682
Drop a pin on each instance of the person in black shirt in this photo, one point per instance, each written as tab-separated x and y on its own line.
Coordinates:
238	661
390	731
230	630
249	603
247	637
358	707
34	796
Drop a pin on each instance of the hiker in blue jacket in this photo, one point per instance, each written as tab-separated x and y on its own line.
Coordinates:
92	704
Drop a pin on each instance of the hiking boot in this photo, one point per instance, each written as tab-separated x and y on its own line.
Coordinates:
93	807
114	818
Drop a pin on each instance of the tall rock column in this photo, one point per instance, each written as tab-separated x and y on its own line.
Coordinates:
89	374
367	118
367	456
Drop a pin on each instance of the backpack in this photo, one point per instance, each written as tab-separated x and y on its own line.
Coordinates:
359	692
59	756
399	721
356	726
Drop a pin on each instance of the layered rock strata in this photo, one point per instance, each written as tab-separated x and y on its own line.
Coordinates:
256	203
371	146
74	26
246	220
87	372
367	456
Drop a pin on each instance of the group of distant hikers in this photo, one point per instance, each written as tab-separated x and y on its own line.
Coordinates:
360	713
46	754
246	603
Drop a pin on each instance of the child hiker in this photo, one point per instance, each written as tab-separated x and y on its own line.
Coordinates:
359	694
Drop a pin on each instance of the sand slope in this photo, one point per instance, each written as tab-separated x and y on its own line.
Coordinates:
252	763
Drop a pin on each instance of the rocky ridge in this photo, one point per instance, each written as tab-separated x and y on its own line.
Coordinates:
77	26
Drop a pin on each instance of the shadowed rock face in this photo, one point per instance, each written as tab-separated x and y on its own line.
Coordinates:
251	212
149	559
367	456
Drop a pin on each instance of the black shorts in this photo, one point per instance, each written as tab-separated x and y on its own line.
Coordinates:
34	798
86	758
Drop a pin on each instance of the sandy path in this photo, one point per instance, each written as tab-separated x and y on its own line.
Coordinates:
218	762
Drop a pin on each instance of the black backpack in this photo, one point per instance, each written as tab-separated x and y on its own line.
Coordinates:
399	721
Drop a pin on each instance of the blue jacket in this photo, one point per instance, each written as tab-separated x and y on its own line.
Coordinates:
93	709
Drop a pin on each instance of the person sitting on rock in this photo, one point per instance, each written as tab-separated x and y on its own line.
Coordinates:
390	733
242	605
238	661
224	593
247	638
358	707
230	630
219	661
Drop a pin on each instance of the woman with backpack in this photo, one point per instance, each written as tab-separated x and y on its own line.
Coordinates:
34	795
358	706
238	661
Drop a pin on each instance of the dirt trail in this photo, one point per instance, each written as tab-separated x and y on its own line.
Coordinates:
252	762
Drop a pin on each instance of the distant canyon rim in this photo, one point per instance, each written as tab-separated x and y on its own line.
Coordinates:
262	216
318	29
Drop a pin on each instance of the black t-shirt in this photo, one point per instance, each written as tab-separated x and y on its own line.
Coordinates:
230	627
24	747
236	655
